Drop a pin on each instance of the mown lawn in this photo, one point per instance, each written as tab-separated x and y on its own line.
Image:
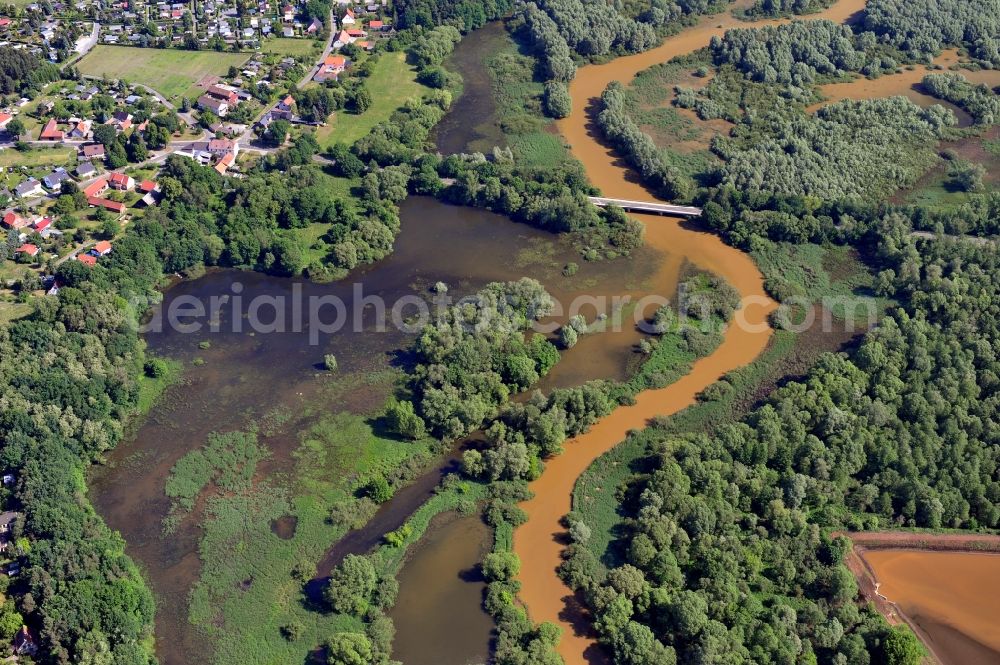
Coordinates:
171	72
392	82
289	47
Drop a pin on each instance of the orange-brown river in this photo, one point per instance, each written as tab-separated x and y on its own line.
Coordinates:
952	599
538	542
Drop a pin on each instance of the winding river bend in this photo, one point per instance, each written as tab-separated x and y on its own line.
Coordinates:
539	542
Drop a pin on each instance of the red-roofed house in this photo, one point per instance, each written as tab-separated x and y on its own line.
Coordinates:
342	39
103	247
226	94
147	186
121	182
331	68
51	132
223	164
122	120
107	204
5	22
5	119
376	25
357	34
13	220
348	17
87	259
28	248
43	223
96	188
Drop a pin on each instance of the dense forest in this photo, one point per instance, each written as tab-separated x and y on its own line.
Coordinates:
924	27
775	8
24	73
464	14
977	100
763	77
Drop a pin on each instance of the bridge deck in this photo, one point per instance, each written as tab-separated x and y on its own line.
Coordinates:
647	206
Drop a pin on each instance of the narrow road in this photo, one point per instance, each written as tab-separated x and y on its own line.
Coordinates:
326	51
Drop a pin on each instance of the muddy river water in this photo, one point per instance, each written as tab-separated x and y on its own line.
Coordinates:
951	598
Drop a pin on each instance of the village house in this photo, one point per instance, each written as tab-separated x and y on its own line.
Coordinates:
225	163
331	68
348	18
29	187
92	151
7	520
29	249
85	170
122	120
51	131
12	220
55	179
24	643
342	39
80	130
102	248
121	182
96	188
217	106
87	259
5	119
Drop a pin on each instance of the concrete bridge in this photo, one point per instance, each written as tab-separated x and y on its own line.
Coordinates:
647	206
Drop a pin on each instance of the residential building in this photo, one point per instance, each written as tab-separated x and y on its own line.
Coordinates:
55	179
121	182
51	131
29	187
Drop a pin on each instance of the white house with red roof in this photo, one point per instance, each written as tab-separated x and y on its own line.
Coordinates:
5	119
342	39
121	182
103	248
348	18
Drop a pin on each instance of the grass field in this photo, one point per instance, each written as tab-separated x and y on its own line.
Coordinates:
519	114
172	73
36	157
291	47
390	85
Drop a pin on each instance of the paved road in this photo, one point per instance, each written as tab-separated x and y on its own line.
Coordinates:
326	51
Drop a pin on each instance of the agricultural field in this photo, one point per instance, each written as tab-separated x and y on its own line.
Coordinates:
172	73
